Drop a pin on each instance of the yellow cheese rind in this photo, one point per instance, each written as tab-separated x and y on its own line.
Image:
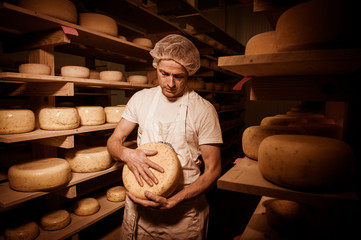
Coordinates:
99	22
25	231
85	160
55	220
35	68
111	75
281	120
86	207
58	118
113	114
75	71
39	175
116	194
16	121
91	115
304	162
320	129
167	181
145	42
261	43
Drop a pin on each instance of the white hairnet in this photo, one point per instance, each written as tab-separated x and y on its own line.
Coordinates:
177	48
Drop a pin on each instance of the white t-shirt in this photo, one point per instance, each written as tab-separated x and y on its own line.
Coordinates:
202	123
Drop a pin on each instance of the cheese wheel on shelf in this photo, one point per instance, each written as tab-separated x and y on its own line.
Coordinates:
116	194
75	71
168	181
86	207
85	160
111	76
254	135
58	118
304	162
281	120
16	121
99	22
261	43
140	79
145	42
39	175
55	220
91	115
113	114
35	68
320	129
23	231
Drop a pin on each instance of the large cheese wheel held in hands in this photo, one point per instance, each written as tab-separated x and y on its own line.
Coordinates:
16	121
22	231
39	175
99	22
58	118
168	181
55	220
91	115
309	163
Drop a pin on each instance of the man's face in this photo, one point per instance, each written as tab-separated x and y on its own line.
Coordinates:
172	78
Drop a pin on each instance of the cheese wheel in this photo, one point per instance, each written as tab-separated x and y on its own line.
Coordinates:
145	42
91	159
24	231
39	175
320	129
254	135
122	37
75	71
287	215
58	118
91	115
55	220
281	120
137	79
16	121
99	22
111	75
303	162
168	181
116	194
62	9
261	43
86	206
35	68
113	114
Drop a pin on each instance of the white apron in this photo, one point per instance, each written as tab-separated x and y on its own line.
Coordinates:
187	220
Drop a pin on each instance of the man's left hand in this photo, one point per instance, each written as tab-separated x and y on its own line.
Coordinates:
153	201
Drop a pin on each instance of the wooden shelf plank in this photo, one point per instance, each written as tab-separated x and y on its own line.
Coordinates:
245	177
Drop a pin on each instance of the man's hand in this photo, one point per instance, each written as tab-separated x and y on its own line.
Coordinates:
154	201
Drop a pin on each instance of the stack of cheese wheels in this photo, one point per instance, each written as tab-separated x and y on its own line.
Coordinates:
58	118
320	129
35	68
24	231
168	181
99	22
261	43
113	114
75	71
304	162
16	121
85	160
91	115
281	120
62	9
86	206
111	75
116	194
254	135
55	220
39	175
145	42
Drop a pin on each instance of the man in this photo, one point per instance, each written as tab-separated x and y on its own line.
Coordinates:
172	114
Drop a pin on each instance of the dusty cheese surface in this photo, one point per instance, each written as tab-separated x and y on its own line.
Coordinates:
55	220
25	231
116	194
58	118
16	121
91	115
168	180
86	206
113	114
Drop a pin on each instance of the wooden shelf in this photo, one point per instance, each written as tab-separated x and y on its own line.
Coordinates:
245	177
9	197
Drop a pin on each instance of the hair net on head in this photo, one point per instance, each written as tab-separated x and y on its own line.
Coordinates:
177	48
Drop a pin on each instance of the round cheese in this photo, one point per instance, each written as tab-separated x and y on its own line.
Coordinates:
306	162
111	75
35	68
55	220
99	22
62	9
39	175
168	181
86	206
320	129
16	121
261	43
58	118
137	79
122	37
91	115
145	42
75	71
113	114
254	135
116	194
281	120
25	231
88	159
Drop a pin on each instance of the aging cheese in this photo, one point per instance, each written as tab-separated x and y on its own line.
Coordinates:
145	42
25	231
111	75
91	115
320	129
39	175
281	120
254	135
58	118
167	181
75	71
306	162
91	159
35	68
86	206
113	113
116	194
55	220
137	79
16	121
261	43
99	22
